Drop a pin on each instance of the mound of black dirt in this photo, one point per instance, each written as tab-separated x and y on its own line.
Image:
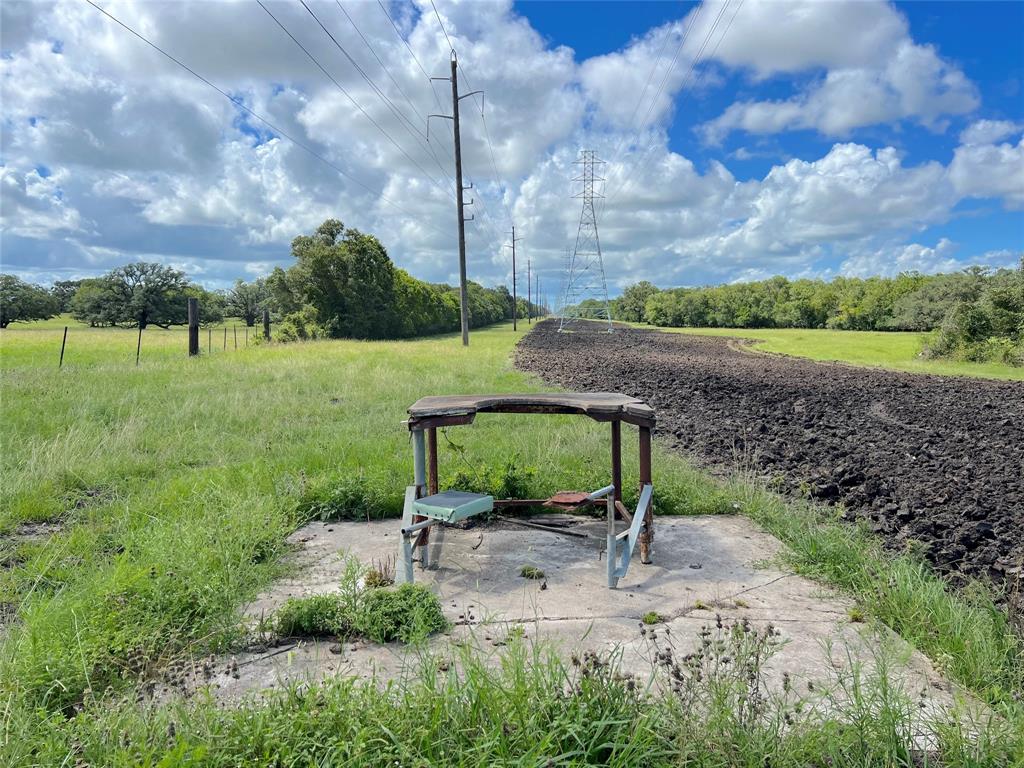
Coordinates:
936	460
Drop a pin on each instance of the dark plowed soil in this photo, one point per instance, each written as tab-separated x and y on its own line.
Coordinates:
934	459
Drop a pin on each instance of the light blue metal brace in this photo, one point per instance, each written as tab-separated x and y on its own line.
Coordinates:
620	545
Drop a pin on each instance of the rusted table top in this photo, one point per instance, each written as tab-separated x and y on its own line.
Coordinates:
460	409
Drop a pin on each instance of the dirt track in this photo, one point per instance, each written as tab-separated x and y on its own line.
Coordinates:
935	459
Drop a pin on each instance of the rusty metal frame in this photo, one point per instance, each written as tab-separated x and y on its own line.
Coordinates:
620	545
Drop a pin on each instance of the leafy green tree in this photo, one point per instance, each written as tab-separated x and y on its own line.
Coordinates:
347	278
212	304
343	284
140	295
924	308
248	300
22	302
284	290
631	306
64	291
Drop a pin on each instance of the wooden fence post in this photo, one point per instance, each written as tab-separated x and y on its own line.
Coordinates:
138	348
209	340
225	347
193	327
234	332
266	324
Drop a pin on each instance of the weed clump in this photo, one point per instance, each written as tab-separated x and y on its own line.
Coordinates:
349	497
410	613
511	480
652	617
531	572
380	574
313	616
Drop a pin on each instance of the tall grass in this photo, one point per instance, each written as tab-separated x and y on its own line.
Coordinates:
526	707
966	635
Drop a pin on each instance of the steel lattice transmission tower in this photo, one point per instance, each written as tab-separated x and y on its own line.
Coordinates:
585	277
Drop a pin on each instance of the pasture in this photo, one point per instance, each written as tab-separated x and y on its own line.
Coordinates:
144	506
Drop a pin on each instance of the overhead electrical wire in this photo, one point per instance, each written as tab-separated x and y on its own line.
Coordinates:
438	15
241	105
661	89
646	154
403	120
373	52
487	136
349	96
622	144
486	216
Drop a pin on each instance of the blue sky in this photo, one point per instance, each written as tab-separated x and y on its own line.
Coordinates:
795	138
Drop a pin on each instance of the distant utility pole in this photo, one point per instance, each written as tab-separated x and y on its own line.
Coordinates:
515	299
459	189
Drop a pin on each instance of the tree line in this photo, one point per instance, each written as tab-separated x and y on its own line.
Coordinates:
342	284
975	314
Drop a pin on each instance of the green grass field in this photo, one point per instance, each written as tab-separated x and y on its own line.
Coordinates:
171	487
896	350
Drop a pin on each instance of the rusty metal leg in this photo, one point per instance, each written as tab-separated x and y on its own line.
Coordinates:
617	459
432	460
647	537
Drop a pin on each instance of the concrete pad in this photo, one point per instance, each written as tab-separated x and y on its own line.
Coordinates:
704	567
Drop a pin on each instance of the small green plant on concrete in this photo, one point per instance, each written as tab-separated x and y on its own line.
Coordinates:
652	617
410	613
531	572
380	574
313	616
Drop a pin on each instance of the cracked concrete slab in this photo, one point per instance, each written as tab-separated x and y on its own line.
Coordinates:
704	567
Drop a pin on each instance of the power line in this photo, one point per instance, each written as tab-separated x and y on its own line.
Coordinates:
620	145
661	88
404	121
373	52
379	61
450	46
645	156
643	92
483	119
348	95
241	105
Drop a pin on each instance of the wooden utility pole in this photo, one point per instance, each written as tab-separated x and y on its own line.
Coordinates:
459	189
463	291
529	294
515	298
